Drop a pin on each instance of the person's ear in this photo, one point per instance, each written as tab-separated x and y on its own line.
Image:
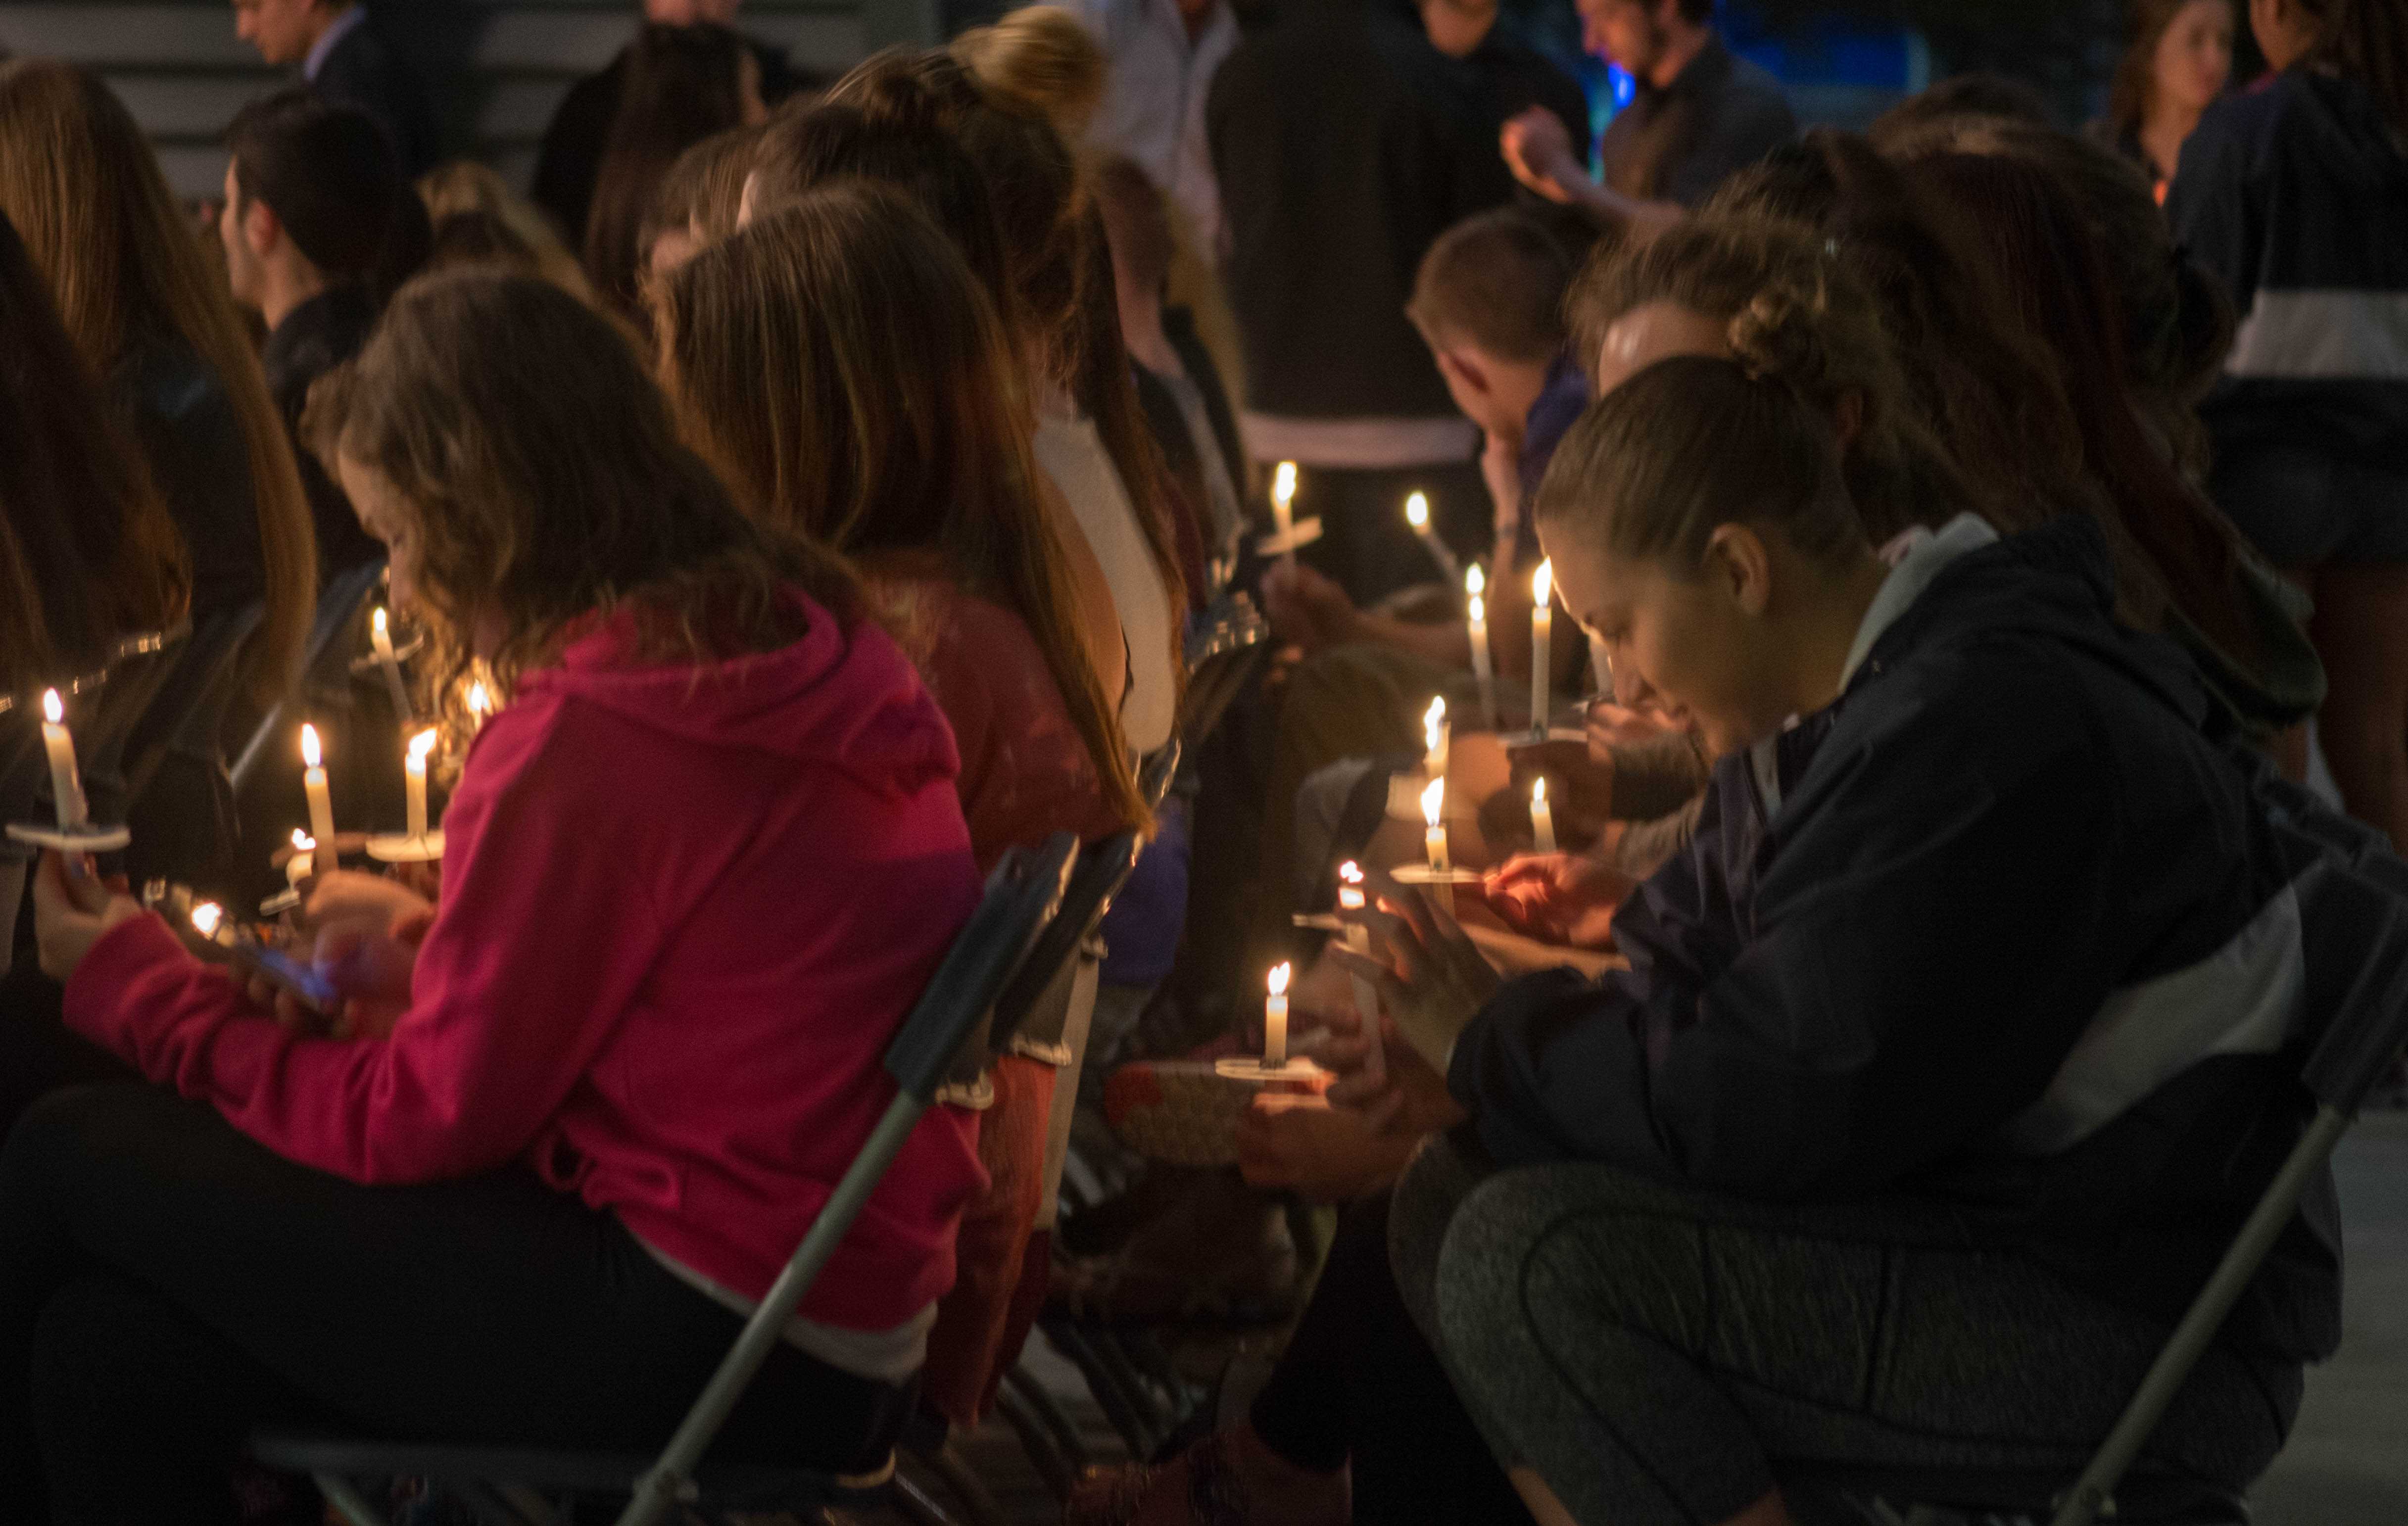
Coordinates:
261	228
1465	369
1738	563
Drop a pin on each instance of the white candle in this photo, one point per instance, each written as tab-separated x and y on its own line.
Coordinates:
67	787
1436	738
381	636
1275	1020
413	770
304	858
1475	613
313	784
1283	502
1542	817
1417	516
1542	626
1367	999
1433	812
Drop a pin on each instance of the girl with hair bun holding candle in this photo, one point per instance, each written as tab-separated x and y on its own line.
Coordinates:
701	861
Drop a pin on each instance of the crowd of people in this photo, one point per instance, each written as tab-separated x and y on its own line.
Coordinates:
1872	586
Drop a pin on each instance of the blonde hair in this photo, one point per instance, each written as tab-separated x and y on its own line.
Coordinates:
846	371
82	186
466	186
1044	57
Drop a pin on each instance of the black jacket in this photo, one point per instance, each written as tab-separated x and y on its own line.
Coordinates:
362	70
184	421
2296	194
1344	145
2011	813
1717	117
315	337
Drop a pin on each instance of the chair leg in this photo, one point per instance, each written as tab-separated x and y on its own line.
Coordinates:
348	1502
915	1503
1043	1452
1065	1431
1119	1406
969	1490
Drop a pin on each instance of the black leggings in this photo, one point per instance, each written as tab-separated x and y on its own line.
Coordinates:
167	1285
1358	1384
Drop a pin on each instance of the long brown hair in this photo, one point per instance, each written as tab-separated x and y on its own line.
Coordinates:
683	84
841	366
549	485
83	188
2365	40
2134	89
87	551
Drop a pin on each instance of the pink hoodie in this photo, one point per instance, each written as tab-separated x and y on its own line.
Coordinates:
682	915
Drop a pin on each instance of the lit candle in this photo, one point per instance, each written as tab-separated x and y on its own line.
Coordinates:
1283	502
1358	937
1542	625
1436	734
66	787
1275	1020
1417	515
381	636
414	780
1475	610
209	920
481	704
313	784
304	857
1542	817
1433	812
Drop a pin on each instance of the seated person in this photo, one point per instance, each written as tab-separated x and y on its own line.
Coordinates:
1970	987
700	864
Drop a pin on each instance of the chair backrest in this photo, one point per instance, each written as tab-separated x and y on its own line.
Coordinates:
2357	934
338	604
1224	650
1021	897
1102	871
105	708
187	708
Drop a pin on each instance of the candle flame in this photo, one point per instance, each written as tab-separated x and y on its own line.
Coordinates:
51	711
1479	610
1538	792
421	744
1434	800
1475	582
383	626
1278	980
1543	583
310	752
1283	482
1418	510
206	916
480	699
303	842
1351	871
1434	722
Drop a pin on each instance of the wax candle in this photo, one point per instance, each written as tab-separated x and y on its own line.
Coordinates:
313	784
1417	516
1475	614
1367	999
413	770
304	859
66	786
1433	812
1542	817
209	920
1436	737
381	636
1275	1018
1543	627
1283	501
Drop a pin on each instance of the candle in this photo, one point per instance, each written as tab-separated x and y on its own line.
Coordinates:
1436	735
1433	810
1275	1020
1417	515
381	636
414	780
1475	611
1542	583
1542	817
481	704
209	920
66	787
304	857
1283	502
1358	937
313	784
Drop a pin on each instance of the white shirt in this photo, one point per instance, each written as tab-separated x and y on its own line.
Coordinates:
1153	109
1074	455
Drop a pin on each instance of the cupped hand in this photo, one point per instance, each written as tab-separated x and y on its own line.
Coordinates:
1402	1097
1537	149
1562	898
1431	977
372	969
73	906
1307	608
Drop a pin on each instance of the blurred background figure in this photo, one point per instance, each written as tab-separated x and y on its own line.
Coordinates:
343	58
2178	62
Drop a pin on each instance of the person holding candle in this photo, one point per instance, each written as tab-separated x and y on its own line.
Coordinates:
704	737
1969	742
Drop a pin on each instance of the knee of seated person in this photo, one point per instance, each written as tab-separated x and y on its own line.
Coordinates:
60	1135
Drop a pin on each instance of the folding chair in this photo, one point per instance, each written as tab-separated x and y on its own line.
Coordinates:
338	606
507	1485
1225	651
175	747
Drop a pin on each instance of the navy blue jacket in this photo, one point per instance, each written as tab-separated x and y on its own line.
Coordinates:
362	70
2011	813
2296	196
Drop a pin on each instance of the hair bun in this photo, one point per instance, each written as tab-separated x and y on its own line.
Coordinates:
1776	338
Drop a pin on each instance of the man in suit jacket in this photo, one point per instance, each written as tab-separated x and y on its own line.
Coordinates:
344	59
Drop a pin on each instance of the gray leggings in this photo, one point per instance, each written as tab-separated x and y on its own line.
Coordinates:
1661	1355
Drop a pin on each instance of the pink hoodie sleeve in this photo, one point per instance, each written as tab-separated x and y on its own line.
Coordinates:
542	940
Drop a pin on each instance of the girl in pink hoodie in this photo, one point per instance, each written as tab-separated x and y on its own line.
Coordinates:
700	866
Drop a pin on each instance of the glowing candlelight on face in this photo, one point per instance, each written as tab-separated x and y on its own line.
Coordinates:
1367	1000
1275	1018
1542	583
1436	735
304	858
1542	817
414	780
1433	812
1475	610
381	636
313	784
66	786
